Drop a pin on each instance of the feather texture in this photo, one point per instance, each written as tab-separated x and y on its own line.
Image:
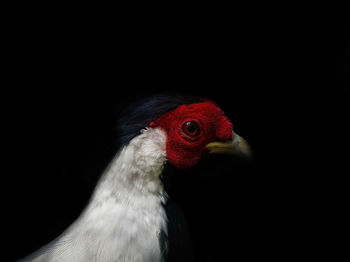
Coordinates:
138	116
125	216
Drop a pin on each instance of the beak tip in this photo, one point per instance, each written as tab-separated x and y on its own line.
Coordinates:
243	147
238	146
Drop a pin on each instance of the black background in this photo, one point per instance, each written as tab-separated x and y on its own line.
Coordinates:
278	69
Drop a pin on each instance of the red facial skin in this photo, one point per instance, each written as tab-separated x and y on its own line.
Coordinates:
184	151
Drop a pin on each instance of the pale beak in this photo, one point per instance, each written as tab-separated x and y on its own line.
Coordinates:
238	146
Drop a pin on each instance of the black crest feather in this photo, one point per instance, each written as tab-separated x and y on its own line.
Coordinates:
138	115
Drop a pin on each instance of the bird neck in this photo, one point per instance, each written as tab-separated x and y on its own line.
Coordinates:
136	169
125	216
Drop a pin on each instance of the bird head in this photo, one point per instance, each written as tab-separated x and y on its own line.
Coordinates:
192	127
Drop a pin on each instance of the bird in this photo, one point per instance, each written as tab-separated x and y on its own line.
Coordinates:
129	217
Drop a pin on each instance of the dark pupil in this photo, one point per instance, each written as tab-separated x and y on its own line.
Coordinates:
191	127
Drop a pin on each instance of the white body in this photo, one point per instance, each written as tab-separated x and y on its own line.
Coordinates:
125	216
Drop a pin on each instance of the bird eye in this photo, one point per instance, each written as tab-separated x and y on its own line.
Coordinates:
191	129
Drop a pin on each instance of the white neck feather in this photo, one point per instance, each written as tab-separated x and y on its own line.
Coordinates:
125	215
136	168
125	212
